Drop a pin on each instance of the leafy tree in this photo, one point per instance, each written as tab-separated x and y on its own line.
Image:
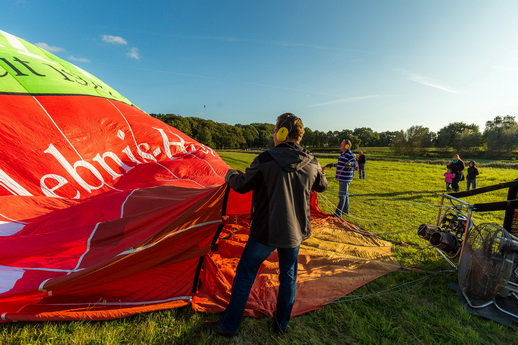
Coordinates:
250	133
334	138
385	138
308	137
180	123
420	136
264	138
450	136
355	141
229	137
501	134
345	134
400	143
319	139
205	137
367	136
413	141
469	140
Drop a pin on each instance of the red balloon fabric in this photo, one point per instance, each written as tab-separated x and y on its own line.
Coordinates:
106	211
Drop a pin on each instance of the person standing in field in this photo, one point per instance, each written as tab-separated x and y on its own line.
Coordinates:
456	166
471	176
448	178
361	165
281	179
344	175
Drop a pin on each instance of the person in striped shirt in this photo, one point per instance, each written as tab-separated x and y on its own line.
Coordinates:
344	175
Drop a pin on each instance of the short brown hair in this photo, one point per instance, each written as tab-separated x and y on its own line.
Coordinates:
293	123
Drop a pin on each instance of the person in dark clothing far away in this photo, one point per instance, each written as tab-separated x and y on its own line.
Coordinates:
361	165
281	179
456	166
471	176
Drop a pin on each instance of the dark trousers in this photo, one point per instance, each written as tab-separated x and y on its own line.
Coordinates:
253	256
455	181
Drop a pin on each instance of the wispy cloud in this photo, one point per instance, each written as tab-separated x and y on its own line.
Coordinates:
423	80
78	59
49	48
133	53
114	39
343	100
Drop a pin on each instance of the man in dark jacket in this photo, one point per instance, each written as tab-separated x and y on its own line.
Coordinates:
281	179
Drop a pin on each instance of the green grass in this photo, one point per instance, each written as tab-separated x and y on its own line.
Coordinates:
404	307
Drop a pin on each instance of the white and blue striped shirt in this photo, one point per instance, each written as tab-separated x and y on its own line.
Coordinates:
345	166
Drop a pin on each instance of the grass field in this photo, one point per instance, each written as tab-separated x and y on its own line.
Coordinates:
404	307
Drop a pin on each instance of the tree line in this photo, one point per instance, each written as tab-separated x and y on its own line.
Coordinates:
499	135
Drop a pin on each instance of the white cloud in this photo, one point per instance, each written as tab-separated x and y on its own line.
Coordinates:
421	79
114	39
133	53
79	59
49	48
343	100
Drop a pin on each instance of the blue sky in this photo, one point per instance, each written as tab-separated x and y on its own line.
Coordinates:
338	64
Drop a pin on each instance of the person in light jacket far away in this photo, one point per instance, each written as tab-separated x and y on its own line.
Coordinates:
281	179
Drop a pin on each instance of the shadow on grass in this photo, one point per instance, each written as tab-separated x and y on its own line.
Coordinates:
408	195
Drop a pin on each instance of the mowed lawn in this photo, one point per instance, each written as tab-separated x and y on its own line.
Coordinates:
411	306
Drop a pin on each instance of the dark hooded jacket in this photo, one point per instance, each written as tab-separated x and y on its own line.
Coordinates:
281	179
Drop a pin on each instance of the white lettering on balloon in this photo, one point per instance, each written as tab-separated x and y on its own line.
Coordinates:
11	185
102	161
60	182
73	171
89	177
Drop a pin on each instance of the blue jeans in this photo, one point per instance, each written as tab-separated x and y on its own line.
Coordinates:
361	170
253	256
472	183
343	199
